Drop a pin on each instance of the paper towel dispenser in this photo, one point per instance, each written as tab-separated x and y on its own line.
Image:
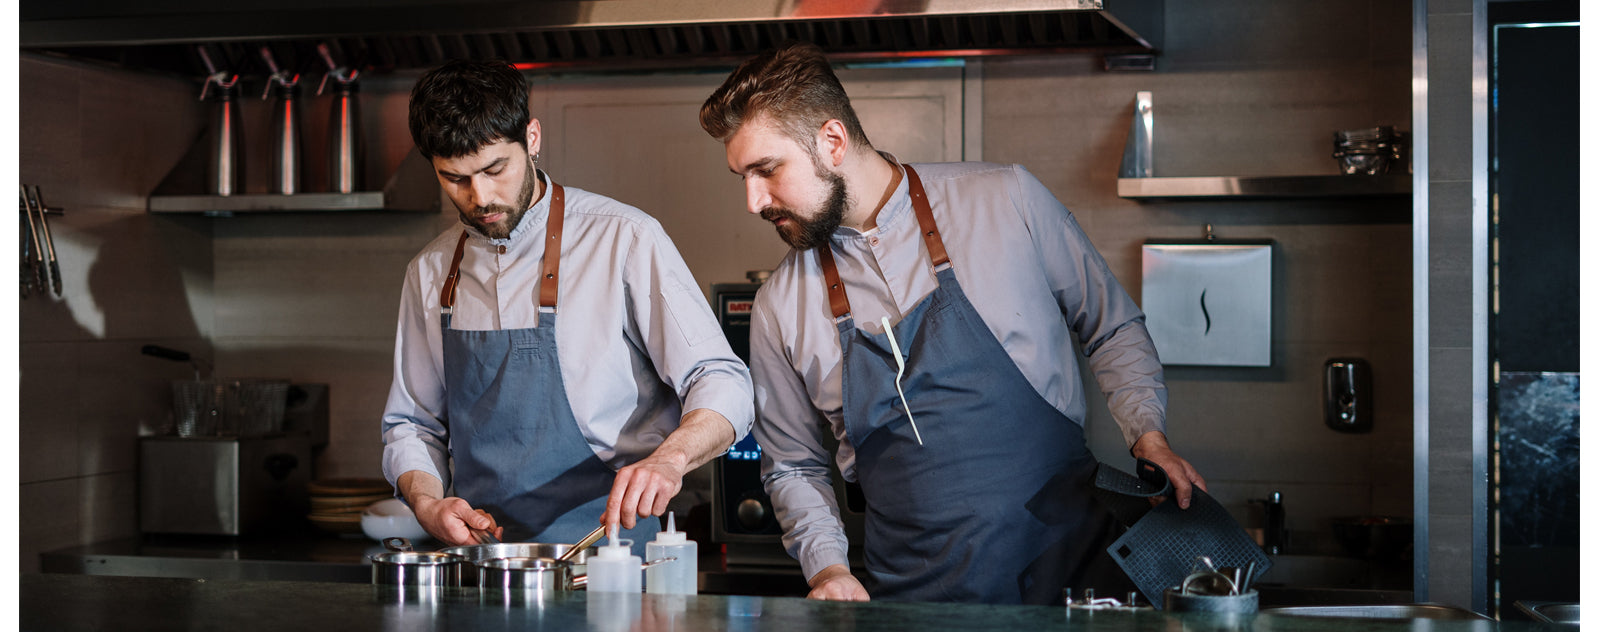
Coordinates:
1209	302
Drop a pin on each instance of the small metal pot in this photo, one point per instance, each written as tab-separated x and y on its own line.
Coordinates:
543	575
533	574
474	554
401	566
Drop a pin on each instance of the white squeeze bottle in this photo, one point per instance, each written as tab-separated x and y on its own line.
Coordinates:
615	569
679	577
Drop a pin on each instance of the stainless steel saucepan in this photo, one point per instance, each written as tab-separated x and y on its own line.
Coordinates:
401	566
471	555
536	574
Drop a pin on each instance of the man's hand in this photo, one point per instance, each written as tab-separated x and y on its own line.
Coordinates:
1152	446
451	520
643	489
835	583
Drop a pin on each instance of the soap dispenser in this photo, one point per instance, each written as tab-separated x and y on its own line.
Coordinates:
680	576
615	568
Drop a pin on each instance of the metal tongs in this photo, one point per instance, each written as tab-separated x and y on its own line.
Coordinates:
38	273
1206	579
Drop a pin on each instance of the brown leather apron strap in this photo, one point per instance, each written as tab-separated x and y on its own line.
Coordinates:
836	296
447	295
551	283
930	230
930	237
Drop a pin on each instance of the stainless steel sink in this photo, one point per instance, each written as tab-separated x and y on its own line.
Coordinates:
1392	611
1550	612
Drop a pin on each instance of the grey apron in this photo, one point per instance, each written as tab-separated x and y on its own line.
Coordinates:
994	506
518	452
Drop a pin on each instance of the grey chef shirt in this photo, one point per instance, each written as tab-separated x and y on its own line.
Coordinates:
637	342
1025	265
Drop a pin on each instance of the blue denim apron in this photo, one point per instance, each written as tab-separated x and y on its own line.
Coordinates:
518	452
994	505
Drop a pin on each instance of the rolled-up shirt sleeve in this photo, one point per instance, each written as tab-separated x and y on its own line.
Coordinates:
414	433
794	459
677	329
1108	325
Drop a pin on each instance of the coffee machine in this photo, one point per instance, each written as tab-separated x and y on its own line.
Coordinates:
742	517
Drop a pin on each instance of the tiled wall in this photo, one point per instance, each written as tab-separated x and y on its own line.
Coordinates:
96	142
1239	91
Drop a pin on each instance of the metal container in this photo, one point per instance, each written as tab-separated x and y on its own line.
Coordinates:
345	151
286	165
473	554
221	485
225	169
1245	603
401	566
527	574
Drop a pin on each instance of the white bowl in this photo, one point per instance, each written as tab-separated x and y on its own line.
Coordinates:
391	518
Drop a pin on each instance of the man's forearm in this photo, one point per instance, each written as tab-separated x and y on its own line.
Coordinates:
702	435
417	486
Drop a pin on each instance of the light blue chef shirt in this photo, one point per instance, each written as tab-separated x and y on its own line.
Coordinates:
1024	264
638	344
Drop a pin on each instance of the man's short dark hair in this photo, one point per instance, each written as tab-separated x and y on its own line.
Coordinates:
466	105
794	85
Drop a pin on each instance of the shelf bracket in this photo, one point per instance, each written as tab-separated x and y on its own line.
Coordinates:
1138	154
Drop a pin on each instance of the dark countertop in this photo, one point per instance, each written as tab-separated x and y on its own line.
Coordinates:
311	556
84	602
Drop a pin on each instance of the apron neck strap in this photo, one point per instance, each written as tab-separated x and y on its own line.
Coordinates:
447	294
549	282
930	237
930	229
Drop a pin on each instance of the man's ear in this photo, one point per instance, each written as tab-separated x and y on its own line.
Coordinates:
833	142
534	137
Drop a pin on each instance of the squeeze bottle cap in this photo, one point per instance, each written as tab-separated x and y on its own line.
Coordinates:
672	535
615	548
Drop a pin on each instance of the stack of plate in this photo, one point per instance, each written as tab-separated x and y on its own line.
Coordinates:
336	503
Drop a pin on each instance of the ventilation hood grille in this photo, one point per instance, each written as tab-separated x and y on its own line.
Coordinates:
407	35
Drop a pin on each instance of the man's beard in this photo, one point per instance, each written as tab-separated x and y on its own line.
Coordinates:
805	234
514	213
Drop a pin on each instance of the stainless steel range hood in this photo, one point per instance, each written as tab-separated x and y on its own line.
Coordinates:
399	35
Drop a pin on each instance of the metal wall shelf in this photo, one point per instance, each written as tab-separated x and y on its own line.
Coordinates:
1265	186
1136	178
413	188
222	205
